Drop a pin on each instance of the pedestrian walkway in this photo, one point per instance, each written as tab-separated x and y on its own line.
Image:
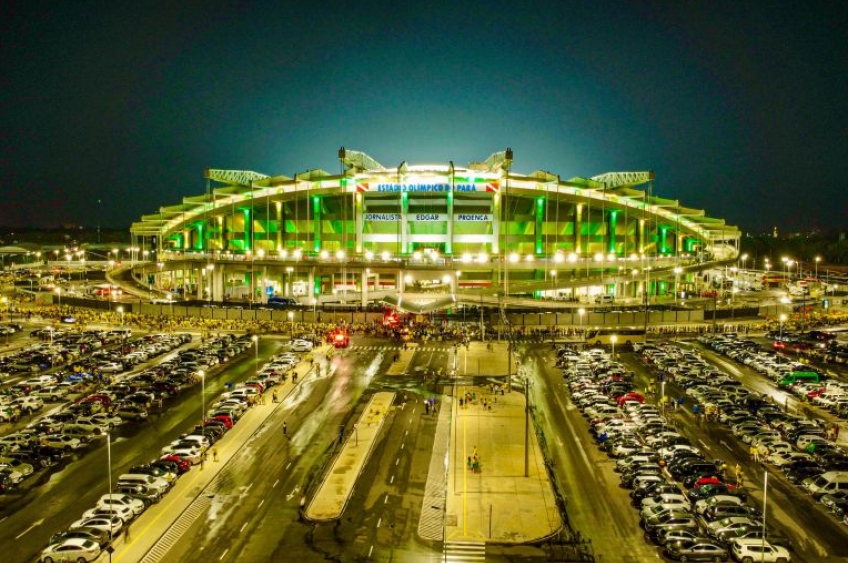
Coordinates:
460	552
335	490
492	501
490	498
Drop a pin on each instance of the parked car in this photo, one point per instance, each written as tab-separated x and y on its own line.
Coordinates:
696	550
749	550
78	550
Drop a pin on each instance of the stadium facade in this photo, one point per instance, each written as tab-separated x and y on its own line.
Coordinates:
440	227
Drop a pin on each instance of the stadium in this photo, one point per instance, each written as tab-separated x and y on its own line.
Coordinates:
371	233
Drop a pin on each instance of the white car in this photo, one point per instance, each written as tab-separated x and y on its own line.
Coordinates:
102	523
102	419
301	345
111	367
703	504
125	513
63	442
71	549
192	455
116	499
759	550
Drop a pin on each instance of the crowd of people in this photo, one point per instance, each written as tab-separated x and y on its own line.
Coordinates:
414	329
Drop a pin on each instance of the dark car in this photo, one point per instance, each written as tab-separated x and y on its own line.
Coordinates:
693	469
672	520
671	535
707	491
140	492
182	465
719	511
651	489
628	477
696	550
795	476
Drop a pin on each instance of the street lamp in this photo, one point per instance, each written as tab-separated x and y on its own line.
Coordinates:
109	479
202	375
818	259
290	315
613	340
782	320
121	312
58	291
255	339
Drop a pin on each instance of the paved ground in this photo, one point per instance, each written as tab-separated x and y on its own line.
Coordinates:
332	495
507	499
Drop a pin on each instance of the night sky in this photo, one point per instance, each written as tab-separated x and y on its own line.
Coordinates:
739	107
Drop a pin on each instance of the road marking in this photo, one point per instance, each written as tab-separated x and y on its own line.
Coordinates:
243	526
386	499
261	503
289	465
293	493
397	461
706	447
370	551
379	521
25	532
401	446
275	484
393	480
224	554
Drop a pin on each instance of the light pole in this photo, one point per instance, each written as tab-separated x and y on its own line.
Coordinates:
613	340
202	375
782	320
818	259
59	295
255	339
765	504
290	315
109	479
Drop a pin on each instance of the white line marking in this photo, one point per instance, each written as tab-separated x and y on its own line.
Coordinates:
379	521
275	483
224	554
243	526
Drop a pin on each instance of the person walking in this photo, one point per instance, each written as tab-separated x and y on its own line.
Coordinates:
285	429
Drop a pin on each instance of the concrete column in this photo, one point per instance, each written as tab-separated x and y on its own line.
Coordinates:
401	283
201	282
364	281
310	284
357	210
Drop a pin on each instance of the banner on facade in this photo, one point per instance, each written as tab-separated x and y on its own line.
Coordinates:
491	186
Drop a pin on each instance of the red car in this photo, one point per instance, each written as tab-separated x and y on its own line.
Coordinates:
104	400
228	422
183	465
